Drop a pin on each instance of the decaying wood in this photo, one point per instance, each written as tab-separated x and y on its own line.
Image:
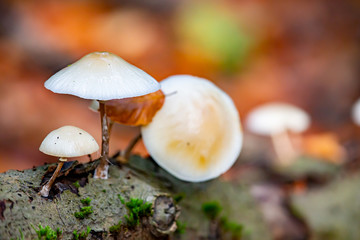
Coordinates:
21	207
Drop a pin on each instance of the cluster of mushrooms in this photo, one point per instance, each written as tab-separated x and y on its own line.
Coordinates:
201	144
190	127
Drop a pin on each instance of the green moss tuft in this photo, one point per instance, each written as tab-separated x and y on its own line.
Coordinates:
47	233
76	184
81	236
132	220
137	209
86	201
179	197
115	228
21	236
84	212
122	200
76	235
181	227
235	228
211	209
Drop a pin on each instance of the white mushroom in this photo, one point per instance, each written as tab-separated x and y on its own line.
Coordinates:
275	120
355	112
102	76
196	135
65	142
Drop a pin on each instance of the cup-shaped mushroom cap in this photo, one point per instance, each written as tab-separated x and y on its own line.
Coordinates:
102	76
355	112
275	118
196	135
68	141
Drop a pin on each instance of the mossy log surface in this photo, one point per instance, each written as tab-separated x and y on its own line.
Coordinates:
21	207
333	212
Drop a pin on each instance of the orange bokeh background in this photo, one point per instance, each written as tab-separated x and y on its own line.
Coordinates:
301	52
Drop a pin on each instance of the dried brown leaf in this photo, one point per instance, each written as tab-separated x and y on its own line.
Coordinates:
135	111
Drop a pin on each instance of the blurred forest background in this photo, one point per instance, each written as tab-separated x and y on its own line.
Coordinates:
303	52
300	52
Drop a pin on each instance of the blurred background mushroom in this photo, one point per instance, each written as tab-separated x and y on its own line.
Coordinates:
355	112
279	121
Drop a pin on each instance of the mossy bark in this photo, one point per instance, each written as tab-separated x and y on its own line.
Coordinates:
21	207
24	208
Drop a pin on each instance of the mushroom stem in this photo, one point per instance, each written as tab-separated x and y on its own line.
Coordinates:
284	148
111	124
46	188
125	154
102	170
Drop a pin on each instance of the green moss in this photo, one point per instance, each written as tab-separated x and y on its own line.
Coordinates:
76	184
86	201
81	236
47	233
115	228
181	227
132	220
234	228
104	191
122	200
84	212
137	209
76	236
179	197
211	209
21	236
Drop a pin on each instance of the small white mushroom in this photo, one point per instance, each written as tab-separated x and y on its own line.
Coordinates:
65	142
196	135
275	120
102	76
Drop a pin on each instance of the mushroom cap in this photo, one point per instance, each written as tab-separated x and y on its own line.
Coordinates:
102	76
355	112
68	141
196	135
275	118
